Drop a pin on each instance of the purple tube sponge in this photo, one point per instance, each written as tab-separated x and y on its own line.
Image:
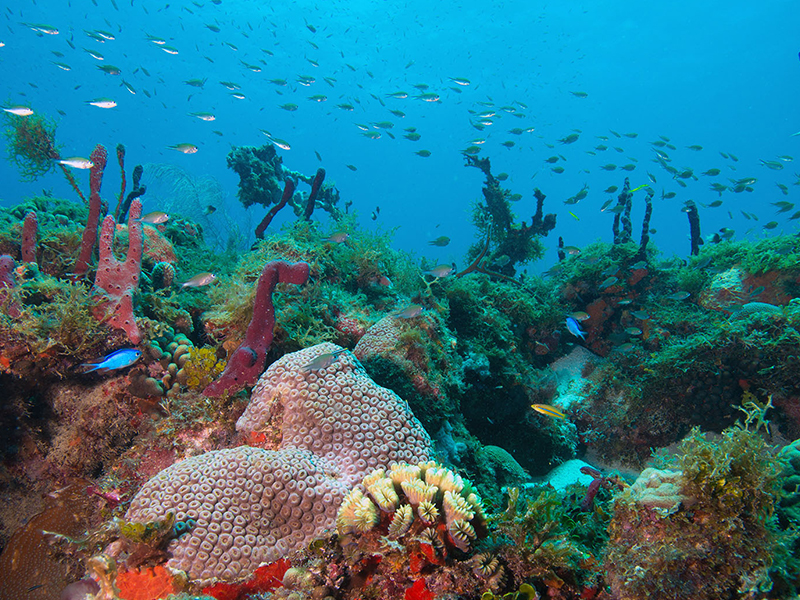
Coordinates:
248	360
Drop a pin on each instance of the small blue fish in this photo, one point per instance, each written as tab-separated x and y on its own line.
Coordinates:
116	360
575	329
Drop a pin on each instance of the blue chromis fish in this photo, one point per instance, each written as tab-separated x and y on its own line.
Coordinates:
548	410
116	360
608	282
337	238
20	111
440	271
102	102
575	329
155	218
678	296
185	148
322	361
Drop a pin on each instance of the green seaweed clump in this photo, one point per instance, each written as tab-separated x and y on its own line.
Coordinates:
151	533
31	144
721	542
56	328
549	540
525	592
260	174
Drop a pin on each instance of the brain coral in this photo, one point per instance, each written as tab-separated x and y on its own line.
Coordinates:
326	423
381	338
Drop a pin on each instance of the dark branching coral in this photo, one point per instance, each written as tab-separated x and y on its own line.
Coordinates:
622	216
694	226
494	217
138	190
260	174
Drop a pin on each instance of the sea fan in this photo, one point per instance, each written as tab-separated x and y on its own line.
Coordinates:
201	199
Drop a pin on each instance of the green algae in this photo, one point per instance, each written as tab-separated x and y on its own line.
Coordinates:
56	319
31	144
543	536
723	541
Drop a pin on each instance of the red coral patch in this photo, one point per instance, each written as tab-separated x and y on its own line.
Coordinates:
419	591
265	579
147	584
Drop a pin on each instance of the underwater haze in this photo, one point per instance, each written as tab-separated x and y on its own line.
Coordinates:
529	327
713	84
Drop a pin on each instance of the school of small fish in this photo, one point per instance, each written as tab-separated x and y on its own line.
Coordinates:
124	65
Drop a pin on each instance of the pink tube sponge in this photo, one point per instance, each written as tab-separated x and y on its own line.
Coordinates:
117	280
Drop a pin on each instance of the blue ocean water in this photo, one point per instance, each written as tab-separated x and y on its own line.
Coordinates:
723	75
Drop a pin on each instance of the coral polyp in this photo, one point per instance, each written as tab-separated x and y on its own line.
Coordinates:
421	505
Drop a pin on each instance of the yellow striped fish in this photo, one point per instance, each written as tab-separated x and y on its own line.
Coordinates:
548	410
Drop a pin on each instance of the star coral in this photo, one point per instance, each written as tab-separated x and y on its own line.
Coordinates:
325	429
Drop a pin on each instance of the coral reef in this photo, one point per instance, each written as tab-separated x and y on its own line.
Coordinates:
198	484
329	424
